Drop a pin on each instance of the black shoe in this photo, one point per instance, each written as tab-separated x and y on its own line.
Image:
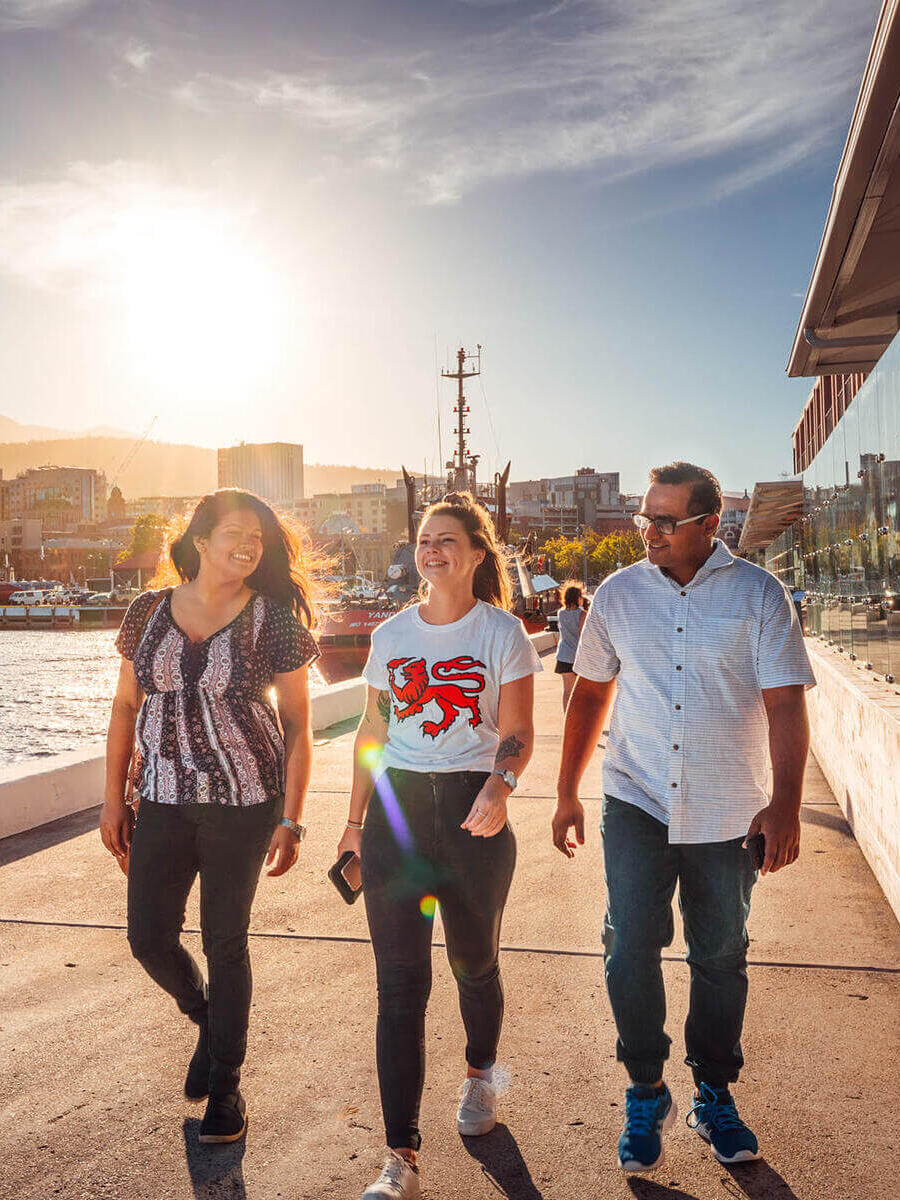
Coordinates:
196	1082
225	1119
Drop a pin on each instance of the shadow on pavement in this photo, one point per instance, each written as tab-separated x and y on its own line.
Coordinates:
758	1181
827	820
21	845
502	1162
646	1189
215	1171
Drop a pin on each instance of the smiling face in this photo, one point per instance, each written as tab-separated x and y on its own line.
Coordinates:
688	544
234	547
445	556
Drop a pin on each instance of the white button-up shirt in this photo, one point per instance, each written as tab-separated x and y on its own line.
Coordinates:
688	739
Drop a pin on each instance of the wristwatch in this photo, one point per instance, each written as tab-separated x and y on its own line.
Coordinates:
508	778
300	830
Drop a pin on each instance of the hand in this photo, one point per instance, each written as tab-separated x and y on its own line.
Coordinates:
780	826
487	816
284	850
351	839
116	824
569	813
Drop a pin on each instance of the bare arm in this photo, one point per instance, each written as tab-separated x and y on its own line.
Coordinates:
292	692
115	820
515	720
370	739
586	716
779	821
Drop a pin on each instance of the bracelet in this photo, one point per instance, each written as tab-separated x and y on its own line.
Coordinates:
298	830
354	825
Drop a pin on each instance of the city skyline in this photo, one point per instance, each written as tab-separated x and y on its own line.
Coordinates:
280	228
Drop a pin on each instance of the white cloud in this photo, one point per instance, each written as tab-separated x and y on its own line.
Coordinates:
37	14
73	232
611	86
137	55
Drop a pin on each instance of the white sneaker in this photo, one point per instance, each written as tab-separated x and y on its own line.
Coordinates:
397	1181
477	1112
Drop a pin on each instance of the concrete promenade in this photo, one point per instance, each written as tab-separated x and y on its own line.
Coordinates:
93	1054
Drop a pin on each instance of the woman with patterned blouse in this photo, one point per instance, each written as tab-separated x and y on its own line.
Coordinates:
220	788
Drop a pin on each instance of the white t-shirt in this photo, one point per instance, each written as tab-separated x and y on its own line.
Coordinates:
444	682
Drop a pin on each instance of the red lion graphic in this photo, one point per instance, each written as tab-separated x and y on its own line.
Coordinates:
415	692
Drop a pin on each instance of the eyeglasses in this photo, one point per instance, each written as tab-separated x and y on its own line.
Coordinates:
665	525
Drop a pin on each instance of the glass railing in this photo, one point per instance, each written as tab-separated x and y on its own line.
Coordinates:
845	550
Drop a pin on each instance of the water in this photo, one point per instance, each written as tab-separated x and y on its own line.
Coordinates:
55	690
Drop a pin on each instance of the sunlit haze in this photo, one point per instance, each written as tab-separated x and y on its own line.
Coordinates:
277	222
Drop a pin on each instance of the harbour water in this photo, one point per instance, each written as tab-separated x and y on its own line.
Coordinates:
55	691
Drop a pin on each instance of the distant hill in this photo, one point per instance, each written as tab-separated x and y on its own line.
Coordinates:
14	431
162	468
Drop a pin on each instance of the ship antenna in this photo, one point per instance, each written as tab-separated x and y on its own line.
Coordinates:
463	465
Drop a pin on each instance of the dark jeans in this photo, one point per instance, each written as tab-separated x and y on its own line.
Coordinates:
714	884
173	843
413	847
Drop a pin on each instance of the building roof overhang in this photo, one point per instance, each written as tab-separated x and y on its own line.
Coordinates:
773	506
851	309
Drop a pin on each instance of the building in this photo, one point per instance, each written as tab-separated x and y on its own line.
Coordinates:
61	497
731	521
367	509
19	540
567	503
273	470
832	533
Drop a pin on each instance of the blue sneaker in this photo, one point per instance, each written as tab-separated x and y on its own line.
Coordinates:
715	1118
648	1114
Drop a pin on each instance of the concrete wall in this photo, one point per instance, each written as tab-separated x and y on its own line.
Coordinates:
855	726
37	792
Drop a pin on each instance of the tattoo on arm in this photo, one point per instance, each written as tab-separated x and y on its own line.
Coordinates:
383	702
510	747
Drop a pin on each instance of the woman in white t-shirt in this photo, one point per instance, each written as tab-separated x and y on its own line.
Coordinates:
446	733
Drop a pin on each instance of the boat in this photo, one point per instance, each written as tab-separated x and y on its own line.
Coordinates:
347	623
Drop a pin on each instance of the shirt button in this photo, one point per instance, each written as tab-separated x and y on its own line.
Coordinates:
677	706
684	593
678	668
679	629
675	747
674	785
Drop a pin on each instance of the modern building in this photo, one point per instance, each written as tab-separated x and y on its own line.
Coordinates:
832	533
569	502
273	470
61	497
733	516
19	539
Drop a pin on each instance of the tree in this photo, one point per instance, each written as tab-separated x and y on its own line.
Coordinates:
147	533
614	551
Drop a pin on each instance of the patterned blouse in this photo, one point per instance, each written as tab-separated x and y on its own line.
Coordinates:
207	732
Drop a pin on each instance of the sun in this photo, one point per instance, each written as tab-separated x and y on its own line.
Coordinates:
203	311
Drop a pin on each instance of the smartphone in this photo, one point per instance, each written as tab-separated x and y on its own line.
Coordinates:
346	875
756	848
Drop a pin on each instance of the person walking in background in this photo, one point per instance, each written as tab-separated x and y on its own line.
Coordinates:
220	788
705	658
570	619
445	737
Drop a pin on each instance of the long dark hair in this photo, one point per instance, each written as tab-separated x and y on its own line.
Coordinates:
491	582
282	573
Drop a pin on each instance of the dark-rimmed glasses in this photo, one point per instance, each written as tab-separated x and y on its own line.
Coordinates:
664	525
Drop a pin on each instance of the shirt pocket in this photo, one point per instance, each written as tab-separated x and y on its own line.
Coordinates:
723	650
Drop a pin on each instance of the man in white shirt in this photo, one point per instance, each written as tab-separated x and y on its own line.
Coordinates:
704	657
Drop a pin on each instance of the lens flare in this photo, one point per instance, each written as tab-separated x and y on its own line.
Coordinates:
427	907
370	755
394	813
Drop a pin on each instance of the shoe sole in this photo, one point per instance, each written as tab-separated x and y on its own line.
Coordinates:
476	1128
217	1139
633	1167
740	1157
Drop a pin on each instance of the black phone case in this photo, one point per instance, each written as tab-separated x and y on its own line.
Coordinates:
334	874
756	848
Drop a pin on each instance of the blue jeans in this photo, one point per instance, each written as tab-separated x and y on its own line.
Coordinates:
714	881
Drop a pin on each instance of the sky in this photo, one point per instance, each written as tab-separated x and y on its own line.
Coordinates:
277	221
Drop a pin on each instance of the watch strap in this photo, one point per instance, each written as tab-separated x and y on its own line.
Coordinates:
294	827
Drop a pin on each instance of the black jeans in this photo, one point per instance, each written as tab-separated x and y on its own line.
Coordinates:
413	849
714	880
173	843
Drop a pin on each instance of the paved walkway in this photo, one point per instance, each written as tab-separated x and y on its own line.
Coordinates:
93	1055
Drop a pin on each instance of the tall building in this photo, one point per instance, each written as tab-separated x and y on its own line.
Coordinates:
62	497
273	470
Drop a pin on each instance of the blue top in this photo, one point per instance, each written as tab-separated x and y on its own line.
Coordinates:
569	629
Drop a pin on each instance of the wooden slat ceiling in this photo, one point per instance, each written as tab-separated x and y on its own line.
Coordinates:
773	507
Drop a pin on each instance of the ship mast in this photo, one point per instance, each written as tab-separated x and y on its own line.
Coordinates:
463	466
